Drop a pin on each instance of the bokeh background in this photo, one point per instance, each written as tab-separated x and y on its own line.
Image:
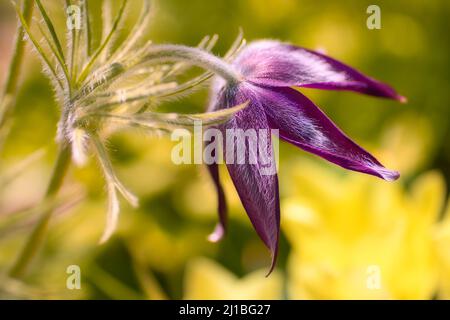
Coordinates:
345	235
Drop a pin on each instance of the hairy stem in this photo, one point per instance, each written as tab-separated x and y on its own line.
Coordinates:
194	56
37	236
7	101
105	44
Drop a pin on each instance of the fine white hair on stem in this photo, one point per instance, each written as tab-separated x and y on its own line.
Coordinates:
51	30
113	185
112	216
237	45
171	121
111	86
109	172
156	93
107	20
194	56
206	44
105	45
87	34
72	46
64	74
45	59
211	44
79	140
135	34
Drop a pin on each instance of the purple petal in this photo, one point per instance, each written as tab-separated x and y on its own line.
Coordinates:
221	226
257	189
277	64
303	124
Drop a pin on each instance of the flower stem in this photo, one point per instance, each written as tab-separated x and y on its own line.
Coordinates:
12	80
194	56
37	236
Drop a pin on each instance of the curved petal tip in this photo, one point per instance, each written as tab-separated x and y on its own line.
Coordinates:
274	261
217	234
388	175
401	99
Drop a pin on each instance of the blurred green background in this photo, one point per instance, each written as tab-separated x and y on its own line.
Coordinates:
345	235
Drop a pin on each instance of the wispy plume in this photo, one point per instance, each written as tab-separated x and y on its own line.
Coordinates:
102	89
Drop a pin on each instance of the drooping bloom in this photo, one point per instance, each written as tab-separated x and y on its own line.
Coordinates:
267	72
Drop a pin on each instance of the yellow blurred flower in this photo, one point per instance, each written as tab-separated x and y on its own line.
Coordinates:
404	149
442	239
361	238
163	250
205	279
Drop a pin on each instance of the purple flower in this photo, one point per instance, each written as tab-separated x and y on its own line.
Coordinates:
268	70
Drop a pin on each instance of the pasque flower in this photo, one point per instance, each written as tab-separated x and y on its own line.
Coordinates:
266	72
119	84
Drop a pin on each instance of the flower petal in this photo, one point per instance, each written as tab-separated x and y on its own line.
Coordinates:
303	124
221	226
256	186
277	64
